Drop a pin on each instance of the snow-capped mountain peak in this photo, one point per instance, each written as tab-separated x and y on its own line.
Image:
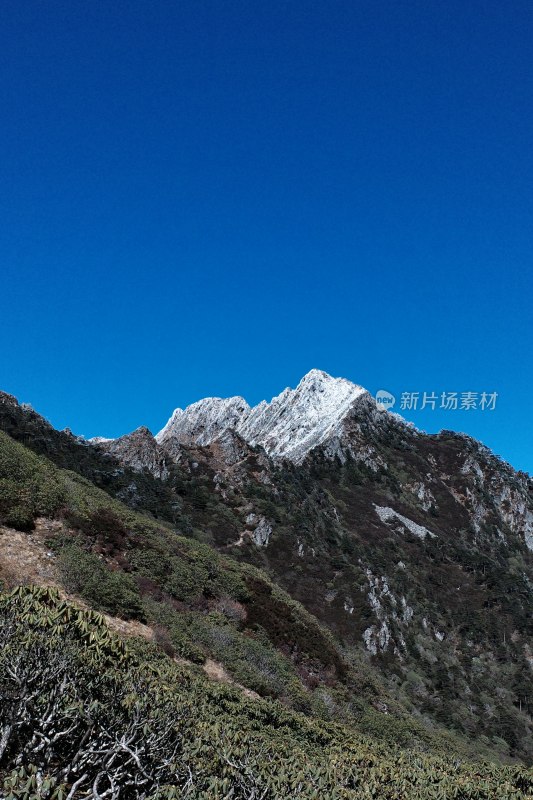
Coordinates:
300	419
291	425
201	422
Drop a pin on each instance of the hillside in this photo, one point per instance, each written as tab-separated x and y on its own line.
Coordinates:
198	603
124	721
377	588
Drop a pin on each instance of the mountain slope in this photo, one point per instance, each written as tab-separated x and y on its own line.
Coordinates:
144	727
414	550
199	603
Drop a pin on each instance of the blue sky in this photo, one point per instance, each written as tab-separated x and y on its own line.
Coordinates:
205	198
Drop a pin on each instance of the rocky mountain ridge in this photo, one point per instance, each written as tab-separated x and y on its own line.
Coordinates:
339	420
290	426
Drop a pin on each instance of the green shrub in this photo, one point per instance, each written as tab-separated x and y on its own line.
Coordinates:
19	517
86	575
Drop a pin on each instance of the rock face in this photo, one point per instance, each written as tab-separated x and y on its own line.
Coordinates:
139	450
290	426
338	421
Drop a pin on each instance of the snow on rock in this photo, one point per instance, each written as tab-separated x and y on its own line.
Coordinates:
292	424
299	419
204	421
389	515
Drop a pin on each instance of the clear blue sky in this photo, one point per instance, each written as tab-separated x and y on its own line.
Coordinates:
210	198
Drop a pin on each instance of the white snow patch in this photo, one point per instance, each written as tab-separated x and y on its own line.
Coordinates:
387	514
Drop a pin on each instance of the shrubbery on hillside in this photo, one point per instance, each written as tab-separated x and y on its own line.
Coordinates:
87	576
81	715
29	486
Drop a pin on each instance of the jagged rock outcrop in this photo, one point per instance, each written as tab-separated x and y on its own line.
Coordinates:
139	450
204	421
288	427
